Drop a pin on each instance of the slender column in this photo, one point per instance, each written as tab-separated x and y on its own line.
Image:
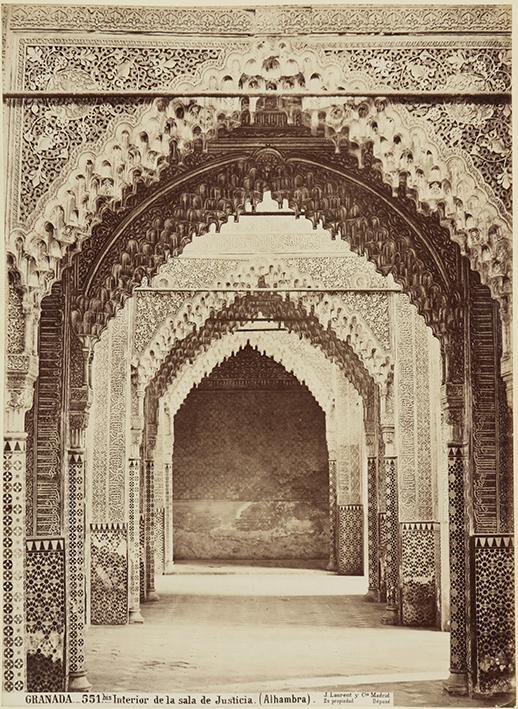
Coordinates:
168	485
331	566
331	452
151	426
371	424
391	616
134	472
135	615
458	479
21	375
151	594
159	489
372	525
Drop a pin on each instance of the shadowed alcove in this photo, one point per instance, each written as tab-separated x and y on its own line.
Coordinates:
250	466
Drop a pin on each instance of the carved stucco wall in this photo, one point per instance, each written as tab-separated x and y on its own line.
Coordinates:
250	466
109	422
417	402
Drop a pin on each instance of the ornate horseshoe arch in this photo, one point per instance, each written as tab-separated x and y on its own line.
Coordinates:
162	227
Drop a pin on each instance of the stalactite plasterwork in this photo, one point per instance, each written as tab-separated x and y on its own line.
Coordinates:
309	365
402	142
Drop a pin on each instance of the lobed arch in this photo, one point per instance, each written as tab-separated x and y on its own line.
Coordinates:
330	310
392	238
412	161
247	308
307	363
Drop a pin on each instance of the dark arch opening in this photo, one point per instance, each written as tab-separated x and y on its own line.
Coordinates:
251	467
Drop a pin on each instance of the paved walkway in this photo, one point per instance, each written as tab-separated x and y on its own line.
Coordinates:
227	628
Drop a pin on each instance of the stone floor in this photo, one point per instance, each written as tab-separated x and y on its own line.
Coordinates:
244	628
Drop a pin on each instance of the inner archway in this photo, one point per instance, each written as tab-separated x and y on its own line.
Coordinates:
250	467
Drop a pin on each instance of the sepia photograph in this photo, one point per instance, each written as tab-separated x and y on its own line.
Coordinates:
257	354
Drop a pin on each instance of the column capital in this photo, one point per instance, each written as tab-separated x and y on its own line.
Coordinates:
79	408
388	436
453	408
137	428
22	372
151	438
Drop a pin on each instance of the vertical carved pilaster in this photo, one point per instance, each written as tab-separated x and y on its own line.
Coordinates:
21	374
391	616
458	489
332	516
75	511
457	461
134	540
168	516
13	621
151	594
168	488
382	529
77	679
331	453
391	502
372	528
134	500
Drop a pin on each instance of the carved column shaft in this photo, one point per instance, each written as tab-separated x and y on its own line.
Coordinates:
151	594
168	486
134	496
331	452
458	485
390	471
151	425
134	540
371	424
13	549
21	375
75	510
372	525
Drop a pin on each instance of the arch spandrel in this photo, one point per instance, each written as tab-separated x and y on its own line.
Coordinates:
442	180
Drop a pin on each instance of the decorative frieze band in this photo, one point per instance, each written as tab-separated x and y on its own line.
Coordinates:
494	540
421	526
45	544
108	527
265	20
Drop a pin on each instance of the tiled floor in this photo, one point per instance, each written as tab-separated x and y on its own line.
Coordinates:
227	628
